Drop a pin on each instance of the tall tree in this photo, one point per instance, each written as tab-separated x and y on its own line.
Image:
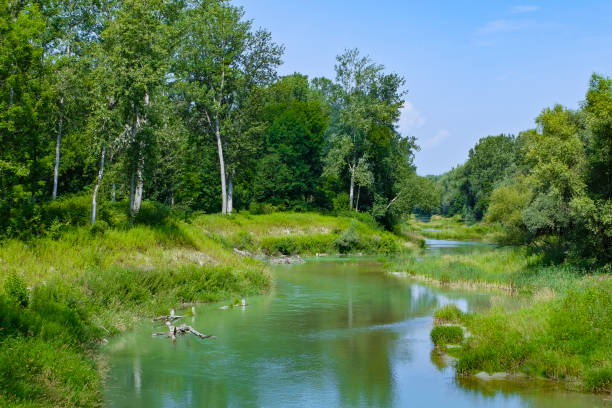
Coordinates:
221	61
24	105
365	98
134	51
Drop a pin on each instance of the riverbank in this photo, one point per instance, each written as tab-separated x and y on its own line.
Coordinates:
63	294
454	229
561	331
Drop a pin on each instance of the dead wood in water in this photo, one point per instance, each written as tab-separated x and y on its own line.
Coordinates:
169	318
173	331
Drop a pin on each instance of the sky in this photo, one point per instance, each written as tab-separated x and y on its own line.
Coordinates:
472	68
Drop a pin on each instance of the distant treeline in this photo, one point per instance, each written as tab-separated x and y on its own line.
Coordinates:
179	103
550	186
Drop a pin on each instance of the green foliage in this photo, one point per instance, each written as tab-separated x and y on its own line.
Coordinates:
348	239
443	335
566	337
16	290
261	208
448	314
341	202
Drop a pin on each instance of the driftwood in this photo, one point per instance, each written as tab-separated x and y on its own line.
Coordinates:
168	318
173	331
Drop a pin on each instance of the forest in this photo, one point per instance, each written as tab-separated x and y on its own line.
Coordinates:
178	104
550	187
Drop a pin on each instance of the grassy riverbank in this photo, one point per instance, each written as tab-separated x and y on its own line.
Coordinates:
561	331
454	229
64	292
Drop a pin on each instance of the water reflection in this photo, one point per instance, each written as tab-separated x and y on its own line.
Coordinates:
330	334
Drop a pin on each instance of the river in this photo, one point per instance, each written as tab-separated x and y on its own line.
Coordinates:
333	333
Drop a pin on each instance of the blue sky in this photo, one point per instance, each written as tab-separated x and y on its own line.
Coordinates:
472	68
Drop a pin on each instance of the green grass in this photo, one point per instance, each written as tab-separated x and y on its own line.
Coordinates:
61	292
449	314
561	329
443	335
506	268
300	233
454	229
566	337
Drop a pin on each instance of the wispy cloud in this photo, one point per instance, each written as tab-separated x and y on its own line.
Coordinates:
411	118
435	140
525	9
501	26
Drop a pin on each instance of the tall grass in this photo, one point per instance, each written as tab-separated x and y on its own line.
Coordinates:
454	229
567	337
70	286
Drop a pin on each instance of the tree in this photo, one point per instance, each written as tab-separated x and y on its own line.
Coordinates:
365	98
134	49
24	106
71	25
221	61
296	121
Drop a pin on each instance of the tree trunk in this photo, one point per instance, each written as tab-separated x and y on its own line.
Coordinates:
57	154
230	193
352	188
222	166
139	184
132	198
98	182
357	202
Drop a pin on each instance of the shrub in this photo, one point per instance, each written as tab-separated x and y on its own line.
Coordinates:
70	210
152	213
448	314
341	202
442	335
348	239
16	290
261	208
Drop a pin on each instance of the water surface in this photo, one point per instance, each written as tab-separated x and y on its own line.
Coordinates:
330	334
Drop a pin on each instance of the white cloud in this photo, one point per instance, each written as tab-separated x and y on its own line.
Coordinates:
410	118
525	9
500	26
436	140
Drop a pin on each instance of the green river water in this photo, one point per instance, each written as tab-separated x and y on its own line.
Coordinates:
334	333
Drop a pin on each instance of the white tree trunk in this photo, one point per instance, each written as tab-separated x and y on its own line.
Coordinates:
357	202
230	193
222	166
97	187
139	184
352	188
57	155
132	198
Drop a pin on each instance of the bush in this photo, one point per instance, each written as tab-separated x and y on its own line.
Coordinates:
16	290
152	213
70	210
341	202
448	314
348	239
442	335
261	208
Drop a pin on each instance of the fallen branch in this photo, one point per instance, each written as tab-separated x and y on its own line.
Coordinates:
168	318
173	331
